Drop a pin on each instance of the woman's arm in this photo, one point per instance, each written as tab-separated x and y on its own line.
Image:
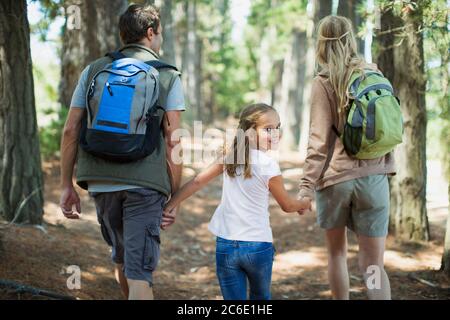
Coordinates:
320	137
286	202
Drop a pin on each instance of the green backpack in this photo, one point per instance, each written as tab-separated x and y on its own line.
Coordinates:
374	124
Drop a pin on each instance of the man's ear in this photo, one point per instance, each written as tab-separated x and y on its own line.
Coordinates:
150	34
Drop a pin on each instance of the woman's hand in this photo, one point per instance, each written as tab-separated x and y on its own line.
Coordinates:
307	205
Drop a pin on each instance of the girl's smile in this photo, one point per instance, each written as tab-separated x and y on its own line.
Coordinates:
268	131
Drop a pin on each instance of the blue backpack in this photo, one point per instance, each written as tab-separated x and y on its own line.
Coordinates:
123	120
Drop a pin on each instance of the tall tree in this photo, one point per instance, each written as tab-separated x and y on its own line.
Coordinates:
168	45
400	56
192	58
350	9
292	82
266	62
21	194
438	17
91	30
319	10
445	265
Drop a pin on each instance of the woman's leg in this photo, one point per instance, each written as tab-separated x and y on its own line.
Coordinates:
371	265
370	218
337	262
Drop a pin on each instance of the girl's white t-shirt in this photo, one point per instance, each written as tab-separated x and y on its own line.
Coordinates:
243	213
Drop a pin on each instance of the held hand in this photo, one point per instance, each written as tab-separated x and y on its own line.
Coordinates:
307	205
168	217
70	198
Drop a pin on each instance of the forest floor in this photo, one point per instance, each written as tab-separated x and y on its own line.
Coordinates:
40	257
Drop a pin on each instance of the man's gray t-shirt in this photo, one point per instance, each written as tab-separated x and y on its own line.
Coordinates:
175	102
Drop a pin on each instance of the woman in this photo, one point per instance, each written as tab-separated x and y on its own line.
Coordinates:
349	192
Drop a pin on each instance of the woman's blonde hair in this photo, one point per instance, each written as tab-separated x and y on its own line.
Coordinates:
239	155
336	52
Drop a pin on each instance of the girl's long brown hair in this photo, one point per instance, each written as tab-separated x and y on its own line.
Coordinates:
336	52
239	155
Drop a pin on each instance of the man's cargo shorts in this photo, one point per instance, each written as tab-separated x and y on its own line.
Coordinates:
130	223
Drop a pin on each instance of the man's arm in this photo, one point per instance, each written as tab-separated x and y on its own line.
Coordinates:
69	147
172	122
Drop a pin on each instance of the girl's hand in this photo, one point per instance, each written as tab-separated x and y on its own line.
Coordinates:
169	215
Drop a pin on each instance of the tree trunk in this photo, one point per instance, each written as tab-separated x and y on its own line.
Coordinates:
445	137
349	9
276	91
400	57
320	9
292	83
445	266
266	63
168	45
20	166
192	61
91	30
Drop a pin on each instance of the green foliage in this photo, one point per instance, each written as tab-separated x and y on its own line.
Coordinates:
436	41
230	71
50	114
50	10
226	68
434	26
50	134
284	16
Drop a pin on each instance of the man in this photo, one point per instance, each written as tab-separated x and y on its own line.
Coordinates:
129	197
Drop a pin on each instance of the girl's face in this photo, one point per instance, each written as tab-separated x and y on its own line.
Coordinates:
268	131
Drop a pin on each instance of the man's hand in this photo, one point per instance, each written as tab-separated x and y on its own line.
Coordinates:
69	144
70	198
168	218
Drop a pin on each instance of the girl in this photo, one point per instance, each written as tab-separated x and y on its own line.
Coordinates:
349	192
244	249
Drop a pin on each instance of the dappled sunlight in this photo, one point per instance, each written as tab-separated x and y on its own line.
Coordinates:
294	173
325	294
86	275
202	234
100	270
417	261
299	259
202	274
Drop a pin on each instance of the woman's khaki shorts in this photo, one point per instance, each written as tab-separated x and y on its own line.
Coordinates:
360	204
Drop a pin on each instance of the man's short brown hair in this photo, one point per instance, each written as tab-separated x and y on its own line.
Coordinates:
134	22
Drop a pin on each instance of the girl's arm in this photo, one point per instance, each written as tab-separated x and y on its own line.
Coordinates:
286	202
194	185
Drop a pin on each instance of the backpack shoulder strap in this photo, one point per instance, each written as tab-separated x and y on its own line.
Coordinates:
158	64
355	84
115	55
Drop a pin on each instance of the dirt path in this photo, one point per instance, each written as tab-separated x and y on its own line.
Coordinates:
187	268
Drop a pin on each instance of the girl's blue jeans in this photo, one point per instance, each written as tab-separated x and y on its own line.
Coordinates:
242	262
